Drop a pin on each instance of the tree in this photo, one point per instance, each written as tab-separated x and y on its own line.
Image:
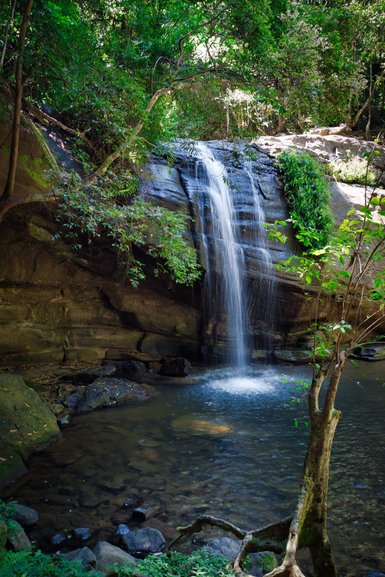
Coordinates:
10	183
350	269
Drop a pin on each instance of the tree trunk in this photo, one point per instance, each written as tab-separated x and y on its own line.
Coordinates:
308	527
10	184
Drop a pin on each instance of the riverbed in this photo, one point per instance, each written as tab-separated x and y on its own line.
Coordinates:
228	444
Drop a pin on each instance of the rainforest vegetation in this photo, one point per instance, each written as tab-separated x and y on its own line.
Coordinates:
124	77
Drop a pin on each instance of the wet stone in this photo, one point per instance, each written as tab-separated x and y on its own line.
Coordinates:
144	541
146	511
73	400
58	539
24	515
121	529
109	392
81	533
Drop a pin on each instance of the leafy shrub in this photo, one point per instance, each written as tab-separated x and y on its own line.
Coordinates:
38	564
199	564
307	191
353	170
111	212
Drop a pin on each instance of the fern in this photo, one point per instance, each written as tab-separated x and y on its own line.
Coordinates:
38	564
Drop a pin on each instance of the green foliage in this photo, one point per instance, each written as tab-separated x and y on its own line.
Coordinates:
38	564
353	171
307	191
199	564
109	211
7	511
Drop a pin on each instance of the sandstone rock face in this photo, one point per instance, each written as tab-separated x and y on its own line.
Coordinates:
53	309
55	306
26	424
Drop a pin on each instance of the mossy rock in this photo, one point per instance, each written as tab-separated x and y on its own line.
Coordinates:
26	425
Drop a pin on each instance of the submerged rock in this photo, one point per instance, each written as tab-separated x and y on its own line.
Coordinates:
109	392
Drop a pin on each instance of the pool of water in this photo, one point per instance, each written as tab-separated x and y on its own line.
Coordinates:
226	445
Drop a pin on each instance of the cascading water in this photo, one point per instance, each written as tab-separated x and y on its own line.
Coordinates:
262	293
222	254
231	222
226	188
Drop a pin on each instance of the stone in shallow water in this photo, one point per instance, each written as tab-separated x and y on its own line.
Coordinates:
58	539
81	533
109	392
144	541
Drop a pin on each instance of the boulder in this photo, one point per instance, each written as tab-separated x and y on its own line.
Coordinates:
24	515
85	555
26	425
129	369
108	392
178	367
296	356
144	541
18	538
108	555
374	352
261	563
225	546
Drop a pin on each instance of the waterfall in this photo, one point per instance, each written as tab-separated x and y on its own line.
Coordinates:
226	189
222	254
262	293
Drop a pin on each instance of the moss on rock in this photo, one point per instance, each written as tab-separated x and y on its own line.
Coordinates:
26	425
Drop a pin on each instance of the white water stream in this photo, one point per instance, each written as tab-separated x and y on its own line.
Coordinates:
222	253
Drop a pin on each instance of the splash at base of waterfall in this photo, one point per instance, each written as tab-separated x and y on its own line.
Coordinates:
244	382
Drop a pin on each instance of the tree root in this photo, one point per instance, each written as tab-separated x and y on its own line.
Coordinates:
271	537
286	570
